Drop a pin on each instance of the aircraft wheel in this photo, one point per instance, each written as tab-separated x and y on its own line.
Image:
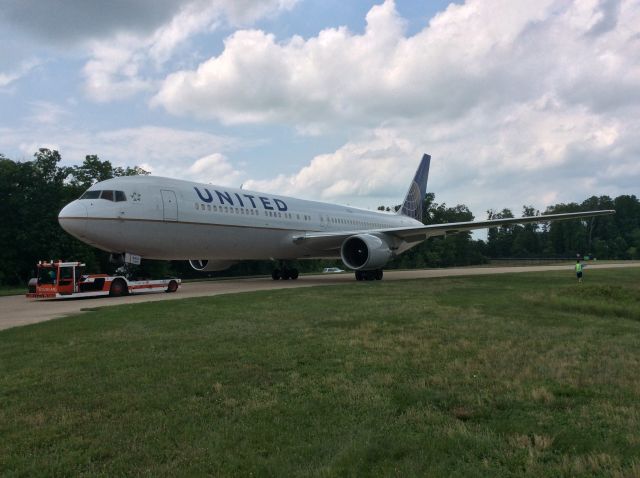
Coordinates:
359	275
275	274
286	274
118	288
172	287
294	274
370	275
378	274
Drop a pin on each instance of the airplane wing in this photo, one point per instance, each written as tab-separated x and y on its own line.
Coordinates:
333	240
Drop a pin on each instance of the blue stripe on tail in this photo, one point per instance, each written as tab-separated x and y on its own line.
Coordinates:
412	205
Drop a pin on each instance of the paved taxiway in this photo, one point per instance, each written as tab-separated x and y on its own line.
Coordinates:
17	310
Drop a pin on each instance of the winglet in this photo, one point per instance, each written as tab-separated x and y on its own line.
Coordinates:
412	205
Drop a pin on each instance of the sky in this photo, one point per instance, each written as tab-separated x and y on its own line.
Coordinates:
518	102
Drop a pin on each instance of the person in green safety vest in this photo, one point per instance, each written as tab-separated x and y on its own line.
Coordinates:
579	270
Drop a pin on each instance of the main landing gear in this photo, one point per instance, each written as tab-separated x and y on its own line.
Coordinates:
284	274
369	275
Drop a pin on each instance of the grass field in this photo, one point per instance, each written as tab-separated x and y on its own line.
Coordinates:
7	290
506	375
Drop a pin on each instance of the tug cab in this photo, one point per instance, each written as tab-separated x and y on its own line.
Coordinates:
56	278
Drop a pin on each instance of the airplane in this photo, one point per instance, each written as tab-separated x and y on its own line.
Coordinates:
214	227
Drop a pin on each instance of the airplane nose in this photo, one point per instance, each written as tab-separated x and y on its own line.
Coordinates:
73	218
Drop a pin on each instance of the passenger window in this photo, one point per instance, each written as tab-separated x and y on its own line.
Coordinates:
202	207
196	206
120	196
208	207
108	195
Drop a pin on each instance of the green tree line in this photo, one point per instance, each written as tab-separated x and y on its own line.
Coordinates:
605	237
33	192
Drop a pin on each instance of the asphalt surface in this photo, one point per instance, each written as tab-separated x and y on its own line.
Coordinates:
18	310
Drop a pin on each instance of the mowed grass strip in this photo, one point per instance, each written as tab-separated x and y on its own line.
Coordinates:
8	290
524	374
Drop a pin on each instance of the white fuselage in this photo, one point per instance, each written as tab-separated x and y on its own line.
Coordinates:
172	219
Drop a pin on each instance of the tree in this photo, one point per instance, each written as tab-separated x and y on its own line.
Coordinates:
456	249
526	241
500	239
128	171
33	193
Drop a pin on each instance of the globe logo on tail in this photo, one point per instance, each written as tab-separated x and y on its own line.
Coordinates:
412	206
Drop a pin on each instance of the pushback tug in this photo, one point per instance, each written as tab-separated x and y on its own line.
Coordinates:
62	280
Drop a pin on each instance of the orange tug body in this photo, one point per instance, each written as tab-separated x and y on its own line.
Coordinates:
64	280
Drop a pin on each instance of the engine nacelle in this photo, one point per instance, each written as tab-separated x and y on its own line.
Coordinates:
205	265
365	252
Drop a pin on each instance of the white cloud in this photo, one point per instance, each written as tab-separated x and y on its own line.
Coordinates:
25	67
215	168
358	169
164	151
126	62
535	154
468	56
518	102
47	113
113	73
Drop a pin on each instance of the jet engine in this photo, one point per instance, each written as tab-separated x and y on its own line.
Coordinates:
365	252
205	265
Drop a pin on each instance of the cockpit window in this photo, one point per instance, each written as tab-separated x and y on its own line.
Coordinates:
118	196
108	195
91	195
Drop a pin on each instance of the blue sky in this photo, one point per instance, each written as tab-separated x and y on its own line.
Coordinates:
518	102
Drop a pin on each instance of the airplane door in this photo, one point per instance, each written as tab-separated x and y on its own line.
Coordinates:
170	205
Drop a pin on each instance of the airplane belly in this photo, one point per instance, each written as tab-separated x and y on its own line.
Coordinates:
184	241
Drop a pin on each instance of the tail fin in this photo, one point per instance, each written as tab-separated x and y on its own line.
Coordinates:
412	205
